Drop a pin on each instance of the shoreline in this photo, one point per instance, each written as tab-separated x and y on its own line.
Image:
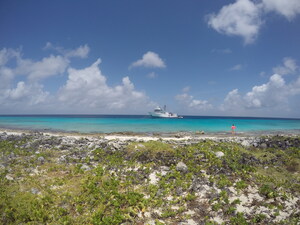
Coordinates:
155	136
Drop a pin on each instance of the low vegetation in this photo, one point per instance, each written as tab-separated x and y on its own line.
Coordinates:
155	182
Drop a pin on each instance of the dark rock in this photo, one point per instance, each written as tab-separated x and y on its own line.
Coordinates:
197	184
179	191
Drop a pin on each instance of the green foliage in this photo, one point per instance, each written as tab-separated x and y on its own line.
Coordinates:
268	191
168	213
239	219
104	192
230	210
259	218
190	197
150	151
118	189
293	165
240	185
223	181
216	206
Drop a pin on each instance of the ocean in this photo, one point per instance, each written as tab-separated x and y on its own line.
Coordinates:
139	123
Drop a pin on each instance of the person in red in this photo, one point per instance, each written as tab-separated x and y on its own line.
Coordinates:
233	129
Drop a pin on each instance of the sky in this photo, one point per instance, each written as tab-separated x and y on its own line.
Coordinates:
210	58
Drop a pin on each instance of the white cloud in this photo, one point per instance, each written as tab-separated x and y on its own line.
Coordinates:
233	98
81	52
289	67
6	77
152	75
87	89
7	54
295	88
35	70
241	18
149	59
273	95
192	104
48	66
236	67
23	95
287	8
244	18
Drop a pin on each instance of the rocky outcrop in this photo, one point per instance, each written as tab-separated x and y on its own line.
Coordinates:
192	182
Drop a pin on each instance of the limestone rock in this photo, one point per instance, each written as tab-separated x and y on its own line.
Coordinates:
9	177
181	167
263	145
41	160
219	154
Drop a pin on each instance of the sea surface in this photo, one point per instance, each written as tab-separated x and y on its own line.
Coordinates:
131	123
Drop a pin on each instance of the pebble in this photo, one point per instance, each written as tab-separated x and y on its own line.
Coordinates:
41	160
181	167
219	154
9	177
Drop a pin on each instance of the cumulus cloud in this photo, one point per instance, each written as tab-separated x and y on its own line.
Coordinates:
192	104
244	18
286	8
149	59
6	76
81	52
48	66
273	95
24	93
23	97
85	91
152	75
32	94
87	88
8	54
289	67
32	70
241	18
38	70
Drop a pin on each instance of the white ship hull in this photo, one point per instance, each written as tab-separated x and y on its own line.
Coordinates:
163	115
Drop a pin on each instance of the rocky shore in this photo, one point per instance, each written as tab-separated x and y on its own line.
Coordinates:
174	179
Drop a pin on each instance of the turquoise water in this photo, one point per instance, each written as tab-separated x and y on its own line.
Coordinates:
109	123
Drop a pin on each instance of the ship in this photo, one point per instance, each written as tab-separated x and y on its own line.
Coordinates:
163	113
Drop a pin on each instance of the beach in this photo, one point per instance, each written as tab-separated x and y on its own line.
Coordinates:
183	178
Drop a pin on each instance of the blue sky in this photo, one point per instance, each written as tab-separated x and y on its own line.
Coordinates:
232	58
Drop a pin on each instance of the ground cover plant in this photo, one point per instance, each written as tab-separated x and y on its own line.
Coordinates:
60	180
